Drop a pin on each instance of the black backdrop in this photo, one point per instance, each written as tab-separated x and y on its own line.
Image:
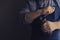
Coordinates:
9	30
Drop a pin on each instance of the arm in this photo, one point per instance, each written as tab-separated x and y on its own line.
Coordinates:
54	30
33	15
29	13
29	17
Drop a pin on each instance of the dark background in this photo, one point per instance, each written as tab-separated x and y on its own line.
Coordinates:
9	30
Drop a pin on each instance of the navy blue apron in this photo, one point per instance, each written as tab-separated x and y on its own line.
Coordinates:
37	33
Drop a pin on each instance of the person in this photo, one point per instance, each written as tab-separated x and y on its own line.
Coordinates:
34	9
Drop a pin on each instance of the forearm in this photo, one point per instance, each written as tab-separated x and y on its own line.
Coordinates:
29	17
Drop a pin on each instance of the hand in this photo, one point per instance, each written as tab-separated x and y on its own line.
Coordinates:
49	10
54	25
51	26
